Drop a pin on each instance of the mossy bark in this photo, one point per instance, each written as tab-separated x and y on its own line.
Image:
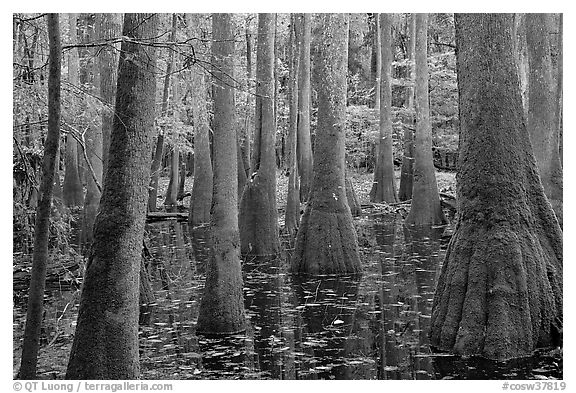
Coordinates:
384	187
222	308
34	312
106	339
258	213
425	208
327	242
499	293
542	109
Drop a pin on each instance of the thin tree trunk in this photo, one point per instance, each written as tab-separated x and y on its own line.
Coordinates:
170	201
157	160
201	199
304	150
93	151
108	26
384	187
499	294
377	48
222	306
72	188
258	213
326	241
292	217
425	208
407	172
106	339
31	344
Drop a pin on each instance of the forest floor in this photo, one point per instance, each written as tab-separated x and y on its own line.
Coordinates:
57	331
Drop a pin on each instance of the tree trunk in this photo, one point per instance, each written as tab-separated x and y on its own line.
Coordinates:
201	200
93	145
246	134
106	340
407	172
258	213
352	198
304	149
384	187
35	309
108	27
559	88
181	176
72	188
292	217
542	109
170	201
499	293
222	307
327	242
425	208
157	160
377	47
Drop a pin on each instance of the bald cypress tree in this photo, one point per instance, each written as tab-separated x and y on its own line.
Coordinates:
106	339
326	241
499	293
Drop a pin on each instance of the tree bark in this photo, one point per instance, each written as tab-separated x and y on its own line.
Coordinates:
222	307
304	150
72	191
108	27
292	217
407	172
258	213
542	109
31	344
377	47
201	200
499	293
327	242
93	152
425	208
106	340
384	187
158	151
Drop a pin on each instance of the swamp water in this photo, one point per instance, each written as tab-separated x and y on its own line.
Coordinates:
369	327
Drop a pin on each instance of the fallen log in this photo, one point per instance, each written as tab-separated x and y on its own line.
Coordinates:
161	216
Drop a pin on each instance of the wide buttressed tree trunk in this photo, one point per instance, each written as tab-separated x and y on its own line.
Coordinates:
384	187
72	188
292	217
407	171
499	294
201	199
425	208
222	307
327	242
108	26
542	109
106	340
304	149
34	312
258	214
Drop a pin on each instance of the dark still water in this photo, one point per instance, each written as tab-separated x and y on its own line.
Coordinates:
369	327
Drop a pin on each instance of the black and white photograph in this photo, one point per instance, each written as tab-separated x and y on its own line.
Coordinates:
287	196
